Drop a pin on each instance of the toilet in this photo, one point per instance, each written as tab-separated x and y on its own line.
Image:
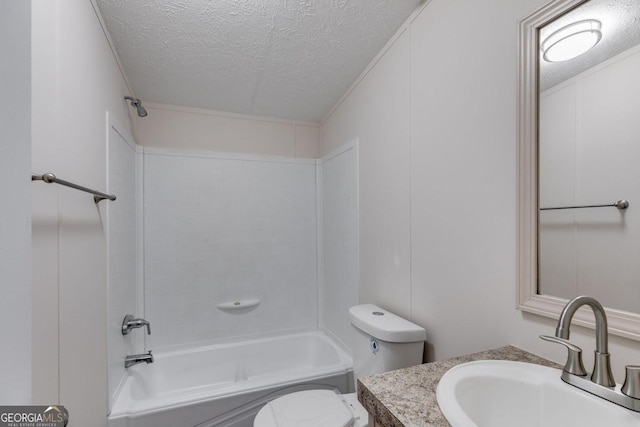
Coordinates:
382	342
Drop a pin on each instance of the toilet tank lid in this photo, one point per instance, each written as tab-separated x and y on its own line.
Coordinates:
384	325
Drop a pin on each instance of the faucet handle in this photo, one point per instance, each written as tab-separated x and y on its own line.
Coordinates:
574	363
631	386
148	325
130	322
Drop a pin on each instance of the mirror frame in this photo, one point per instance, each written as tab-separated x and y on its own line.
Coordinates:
622	323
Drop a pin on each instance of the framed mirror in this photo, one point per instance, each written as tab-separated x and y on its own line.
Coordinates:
578	160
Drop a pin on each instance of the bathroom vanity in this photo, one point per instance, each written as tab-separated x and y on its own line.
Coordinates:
407	397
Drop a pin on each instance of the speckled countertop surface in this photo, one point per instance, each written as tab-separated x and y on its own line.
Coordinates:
407	397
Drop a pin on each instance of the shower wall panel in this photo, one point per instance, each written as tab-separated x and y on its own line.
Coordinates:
339	215
223	228
122	241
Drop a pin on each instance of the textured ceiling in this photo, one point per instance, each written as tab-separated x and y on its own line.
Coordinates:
620	31
280	58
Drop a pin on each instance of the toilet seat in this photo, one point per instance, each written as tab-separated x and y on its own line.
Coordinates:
310	408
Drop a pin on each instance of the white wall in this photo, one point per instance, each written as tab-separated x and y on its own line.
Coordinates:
75	81
220	228
436	118
377	112
463	172
15	215
169	126
44	158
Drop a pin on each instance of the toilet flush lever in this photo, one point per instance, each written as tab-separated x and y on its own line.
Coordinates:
130	322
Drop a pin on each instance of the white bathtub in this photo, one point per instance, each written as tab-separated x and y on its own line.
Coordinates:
226	385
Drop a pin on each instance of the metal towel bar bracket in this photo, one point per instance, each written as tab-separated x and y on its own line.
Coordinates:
50	178
620	204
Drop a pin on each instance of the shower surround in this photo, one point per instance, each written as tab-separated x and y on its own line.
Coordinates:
214	228
223	228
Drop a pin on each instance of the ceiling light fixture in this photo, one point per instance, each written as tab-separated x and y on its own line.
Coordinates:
571	41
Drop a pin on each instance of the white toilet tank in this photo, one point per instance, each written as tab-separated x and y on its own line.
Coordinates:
383	341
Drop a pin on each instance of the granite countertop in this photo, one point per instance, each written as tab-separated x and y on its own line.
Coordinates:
407	397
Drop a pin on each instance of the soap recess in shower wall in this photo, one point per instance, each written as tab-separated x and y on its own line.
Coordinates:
244	305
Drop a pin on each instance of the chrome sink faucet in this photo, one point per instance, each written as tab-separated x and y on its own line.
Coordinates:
134	359
601	382
602	365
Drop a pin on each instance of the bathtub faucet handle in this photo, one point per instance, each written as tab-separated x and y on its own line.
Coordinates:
130	322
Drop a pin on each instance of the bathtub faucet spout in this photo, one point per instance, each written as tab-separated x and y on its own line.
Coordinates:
134	359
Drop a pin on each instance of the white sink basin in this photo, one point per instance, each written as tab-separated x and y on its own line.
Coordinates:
502	393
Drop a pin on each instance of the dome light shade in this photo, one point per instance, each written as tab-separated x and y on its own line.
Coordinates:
571	41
